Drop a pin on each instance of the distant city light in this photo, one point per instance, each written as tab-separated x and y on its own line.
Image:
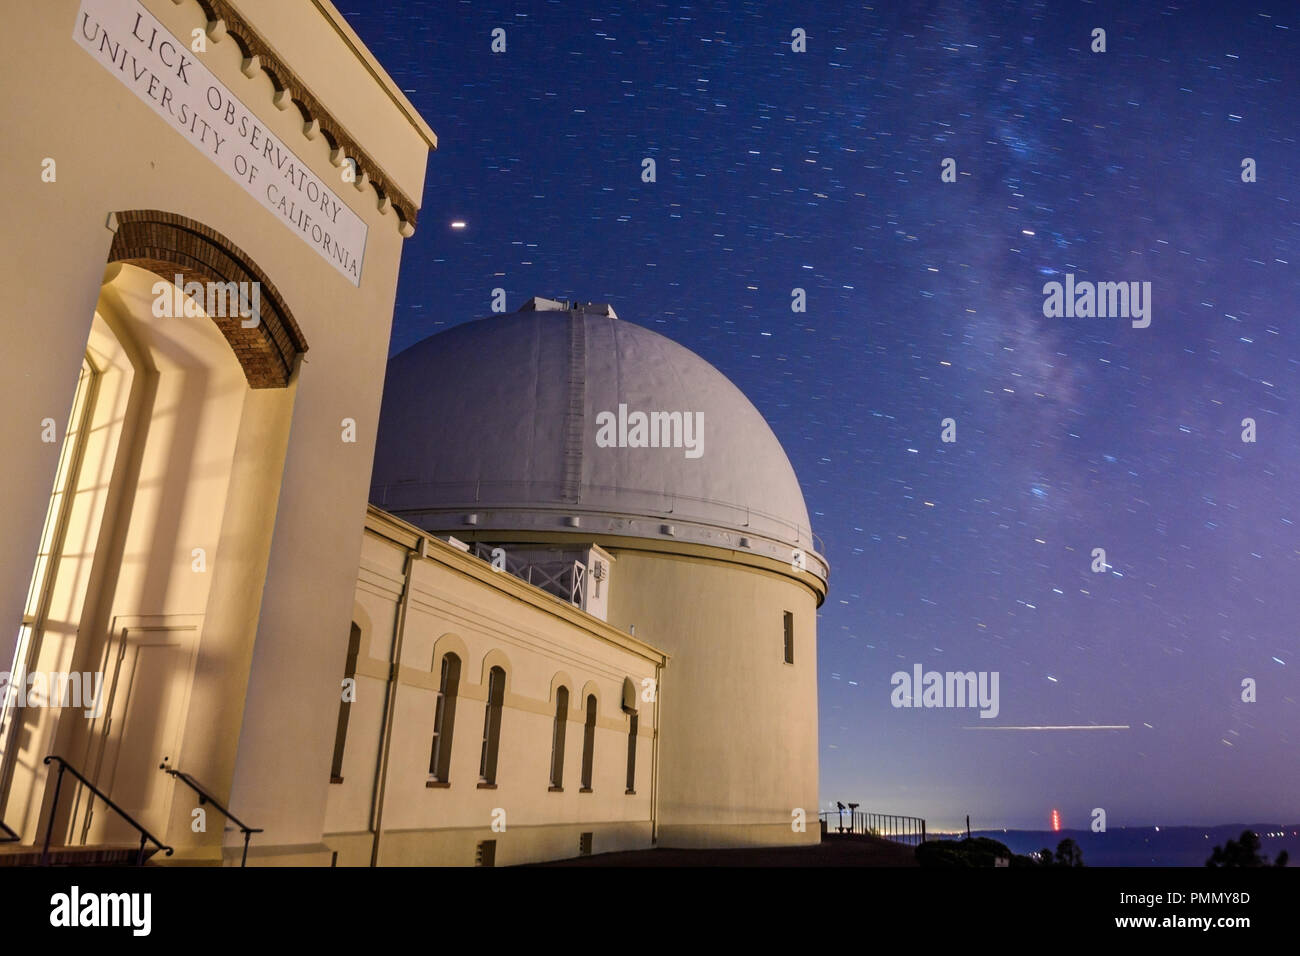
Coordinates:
458	224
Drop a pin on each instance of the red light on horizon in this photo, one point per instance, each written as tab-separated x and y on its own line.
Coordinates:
1056	821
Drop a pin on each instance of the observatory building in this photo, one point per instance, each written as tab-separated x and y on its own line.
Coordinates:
541	585
692	536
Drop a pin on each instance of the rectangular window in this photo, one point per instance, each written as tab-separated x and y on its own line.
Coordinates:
439	709
789	637
444	719
346	695
487	765
57	516
588	744
631	753
557	738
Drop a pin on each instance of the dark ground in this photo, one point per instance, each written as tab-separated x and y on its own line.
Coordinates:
832	851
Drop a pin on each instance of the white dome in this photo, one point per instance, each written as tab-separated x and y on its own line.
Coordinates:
492	426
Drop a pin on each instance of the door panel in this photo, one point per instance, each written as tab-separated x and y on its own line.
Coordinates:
149	697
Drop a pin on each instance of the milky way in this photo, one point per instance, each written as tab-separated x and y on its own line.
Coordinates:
821	170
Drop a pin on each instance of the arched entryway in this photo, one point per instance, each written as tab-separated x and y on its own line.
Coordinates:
157	533
169	244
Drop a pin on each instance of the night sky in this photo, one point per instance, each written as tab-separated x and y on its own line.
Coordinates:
821	170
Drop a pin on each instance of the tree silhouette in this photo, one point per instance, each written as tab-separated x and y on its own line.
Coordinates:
1243	851
1068	853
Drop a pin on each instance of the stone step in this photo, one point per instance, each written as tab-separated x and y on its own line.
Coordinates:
108	854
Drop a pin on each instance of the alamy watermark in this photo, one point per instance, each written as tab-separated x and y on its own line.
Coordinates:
651	430
949	689
74	908
1101	300
219	300
54	689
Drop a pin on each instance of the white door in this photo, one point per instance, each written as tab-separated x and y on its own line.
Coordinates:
147	690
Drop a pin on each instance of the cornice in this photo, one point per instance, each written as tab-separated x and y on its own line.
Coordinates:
291	92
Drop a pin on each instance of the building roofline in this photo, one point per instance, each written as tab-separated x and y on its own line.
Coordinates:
394	529
362	53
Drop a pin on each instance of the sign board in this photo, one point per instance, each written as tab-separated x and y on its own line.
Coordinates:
134	46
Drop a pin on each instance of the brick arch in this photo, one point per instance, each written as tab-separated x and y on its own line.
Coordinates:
169	244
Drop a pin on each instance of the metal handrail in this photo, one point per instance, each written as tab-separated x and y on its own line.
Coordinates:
54	806
895	827
205	797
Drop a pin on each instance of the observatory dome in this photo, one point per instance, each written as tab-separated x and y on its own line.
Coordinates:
505	424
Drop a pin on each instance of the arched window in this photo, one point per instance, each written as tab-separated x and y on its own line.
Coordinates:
631	753
444	720
487	764
347	694
629	708
557	738
588	743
